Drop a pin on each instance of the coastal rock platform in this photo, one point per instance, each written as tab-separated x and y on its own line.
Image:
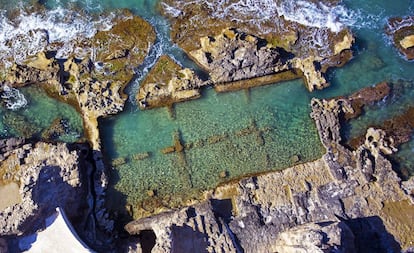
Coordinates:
93	75
232	49
347	195
168	83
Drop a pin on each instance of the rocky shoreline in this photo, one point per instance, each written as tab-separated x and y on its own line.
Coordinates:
348	197
239	56
93	78
349	200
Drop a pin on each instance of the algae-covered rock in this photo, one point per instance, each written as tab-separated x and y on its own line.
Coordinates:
95	72
168	83
401	30
57	128
234	41
123	47
95	85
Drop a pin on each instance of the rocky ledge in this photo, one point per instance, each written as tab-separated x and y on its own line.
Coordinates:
36	178
346	201
47	176
168	83
401	30
240	50
94	74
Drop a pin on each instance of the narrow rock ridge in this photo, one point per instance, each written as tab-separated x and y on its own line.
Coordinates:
349	196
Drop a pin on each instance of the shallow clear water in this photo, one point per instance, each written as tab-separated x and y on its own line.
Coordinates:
38	116
229	135
225	136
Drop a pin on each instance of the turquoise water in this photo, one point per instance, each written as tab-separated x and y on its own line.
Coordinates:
225	136
35	118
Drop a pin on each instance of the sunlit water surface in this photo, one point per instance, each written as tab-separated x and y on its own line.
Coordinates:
230	135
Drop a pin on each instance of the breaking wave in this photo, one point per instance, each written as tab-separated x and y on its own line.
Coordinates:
307	13
29	33
13	98
318	15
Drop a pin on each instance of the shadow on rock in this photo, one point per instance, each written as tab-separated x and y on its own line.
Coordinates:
186	239
372	236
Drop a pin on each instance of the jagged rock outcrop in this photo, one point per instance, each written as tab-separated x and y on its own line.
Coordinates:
233	56
48	176
93	77
232	49
44	176
357	188
168	83
193	229
401	30
37	69
312	237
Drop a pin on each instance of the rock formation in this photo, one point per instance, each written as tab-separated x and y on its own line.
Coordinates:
92	80
346	196
232	49
313	237
401	30
48	176
168	83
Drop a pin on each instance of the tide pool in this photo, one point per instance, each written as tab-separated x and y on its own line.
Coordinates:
38	116
222	137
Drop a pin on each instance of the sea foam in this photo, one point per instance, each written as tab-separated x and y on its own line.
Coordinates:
307	13
30	33
13	98
318	15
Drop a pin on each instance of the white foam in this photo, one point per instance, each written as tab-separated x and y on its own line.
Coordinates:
30	33
258	12
161	46
13	98
318	15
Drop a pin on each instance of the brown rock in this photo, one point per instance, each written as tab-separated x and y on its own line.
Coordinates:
168	83
401	30
234	50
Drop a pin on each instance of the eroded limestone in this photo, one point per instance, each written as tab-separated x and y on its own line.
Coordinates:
401	30
232	50
168	83
357	188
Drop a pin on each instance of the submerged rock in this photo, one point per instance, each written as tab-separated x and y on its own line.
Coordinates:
401	30
349	200
232	48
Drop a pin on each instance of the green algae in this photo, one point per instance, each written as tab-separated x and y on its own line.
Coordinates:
39	115
207	142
